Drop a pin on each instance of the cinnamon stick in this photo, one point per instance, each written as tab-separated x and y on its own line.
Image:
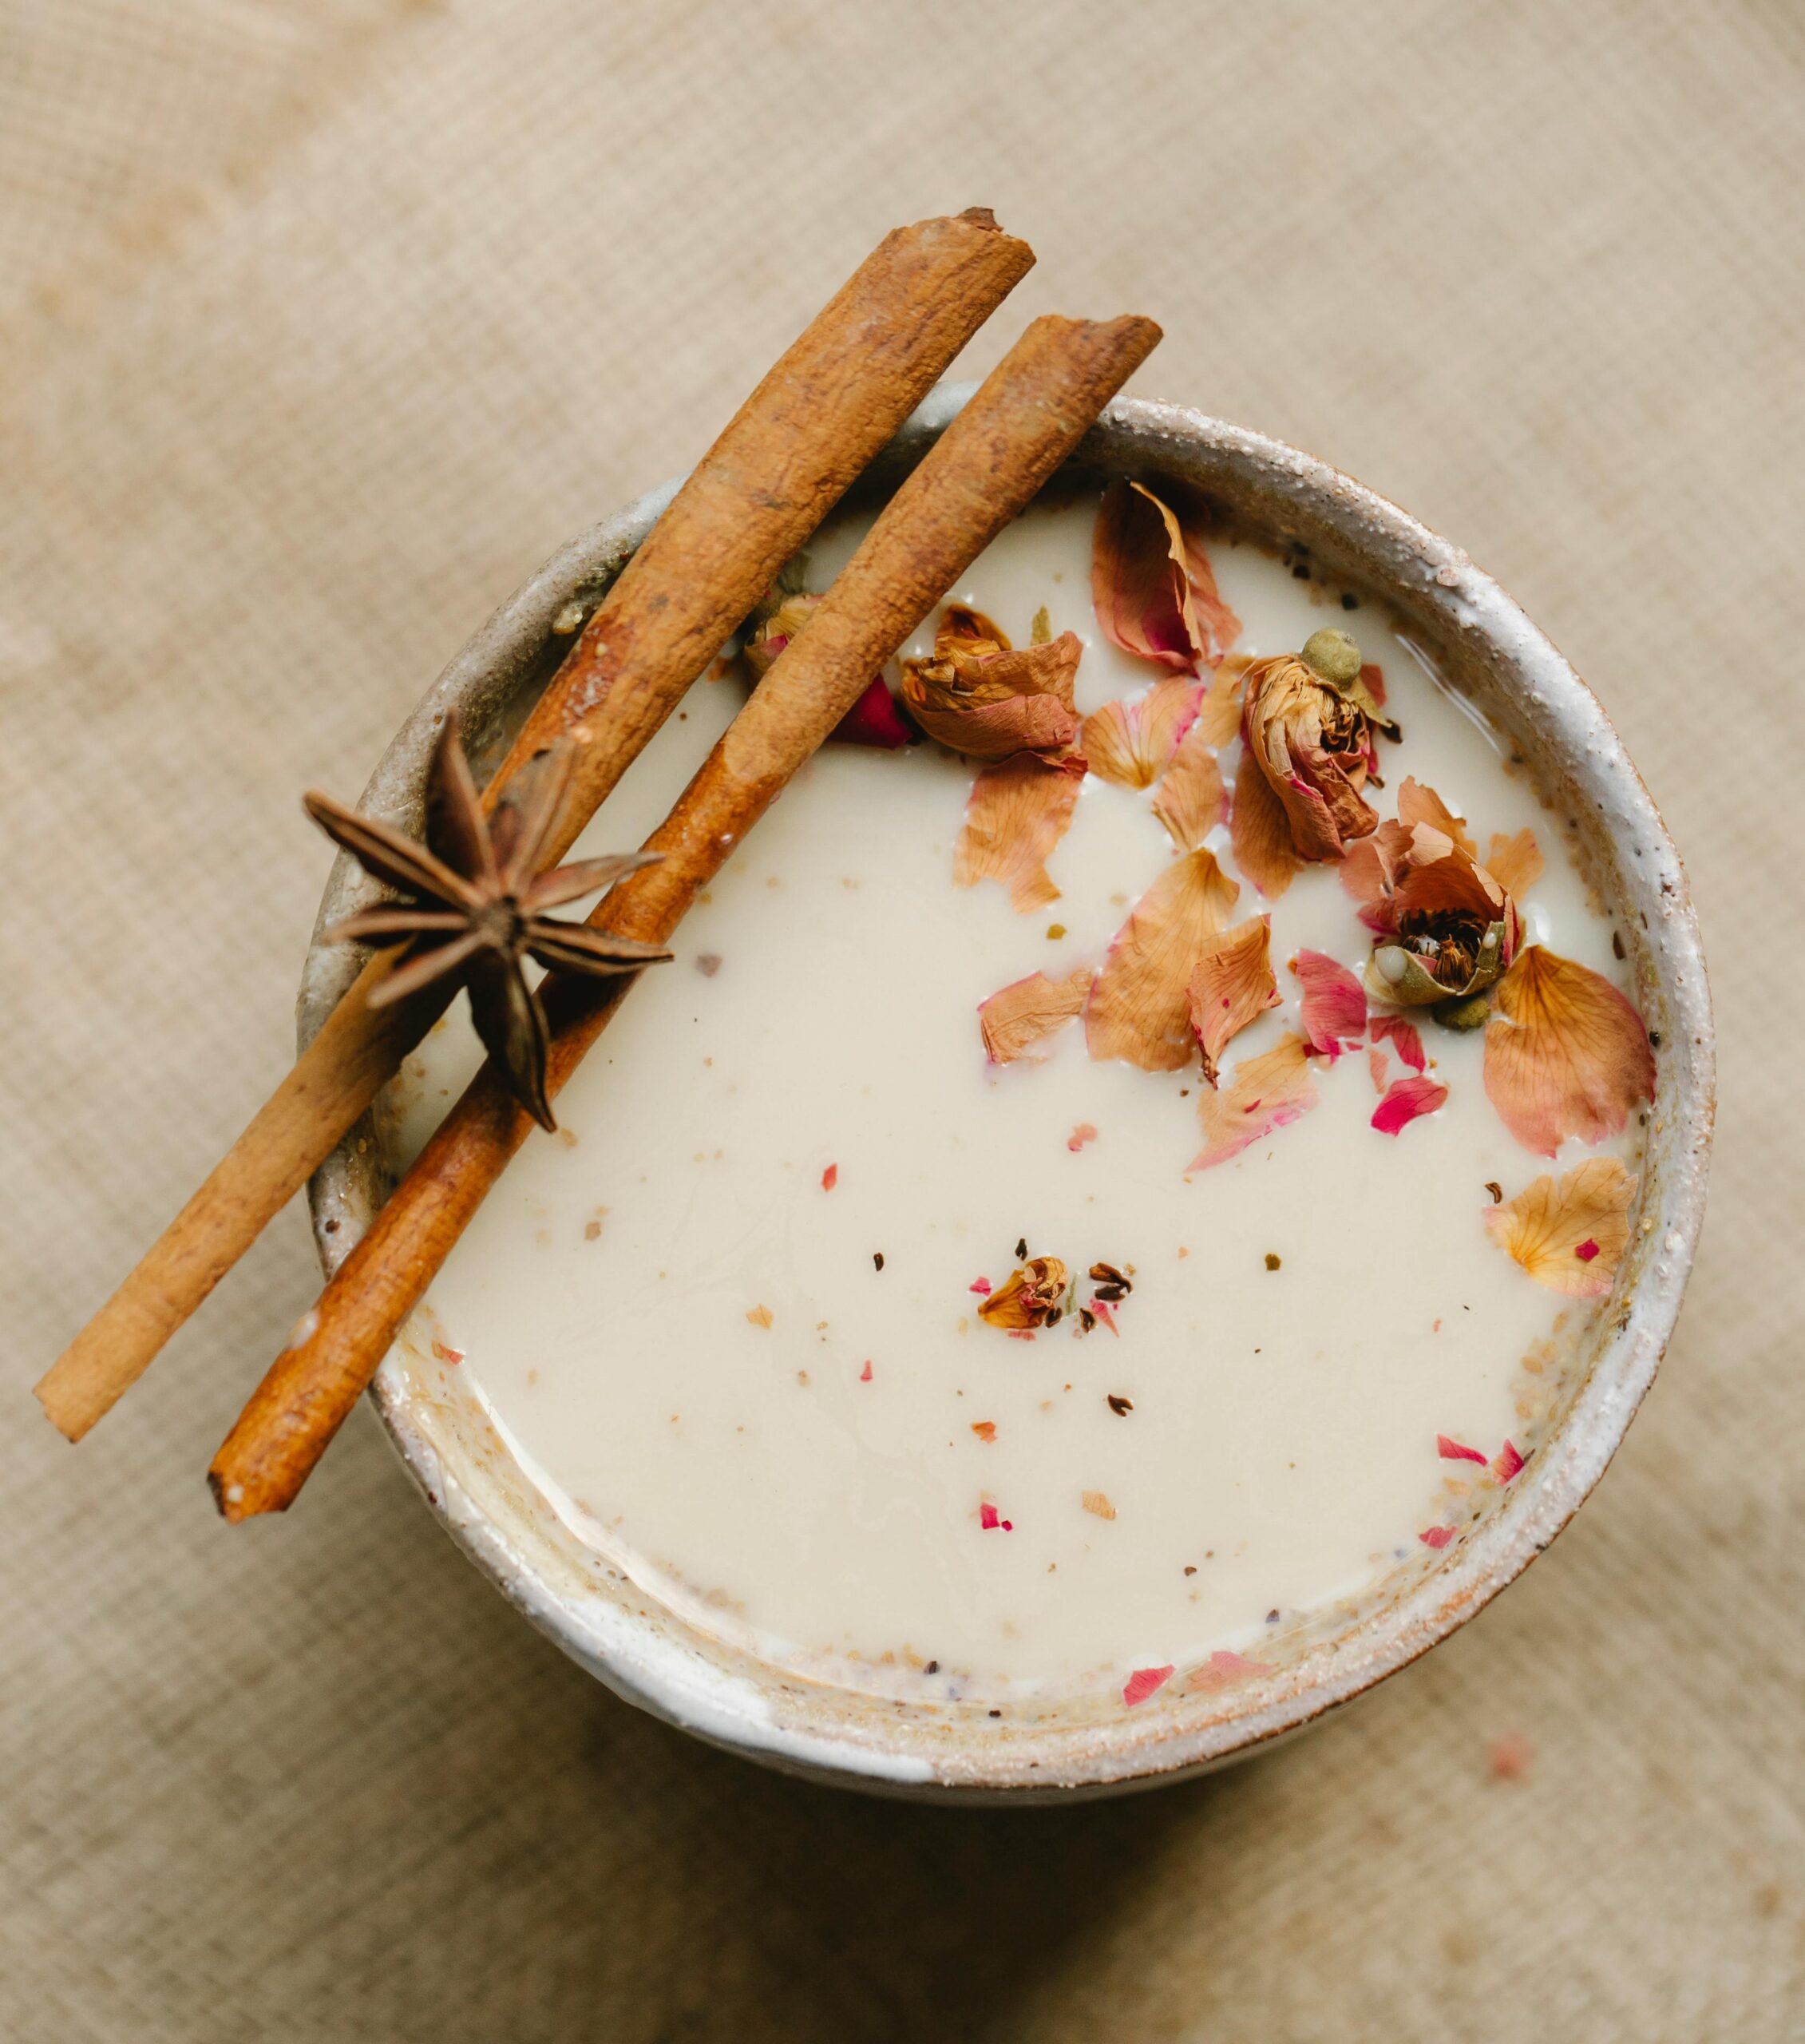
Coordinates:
1023	422
815	422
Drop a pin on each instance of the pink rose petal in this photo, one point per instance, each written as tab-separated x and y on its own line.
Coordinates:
992	1521
1333	1013
1507	1462
830	1178
980	1286
446	1354
865	1375
1408	1099
1142	1683
1085	1132
1452	1451
1406	1039
1437	1536
1586	1250
1223	1669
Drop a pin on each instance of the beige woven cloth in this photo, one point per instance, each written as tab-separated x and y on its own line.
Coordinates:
323	321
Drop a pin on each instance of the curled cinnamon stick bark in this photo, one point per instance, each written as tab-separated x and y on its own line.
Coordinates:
988	464
818	417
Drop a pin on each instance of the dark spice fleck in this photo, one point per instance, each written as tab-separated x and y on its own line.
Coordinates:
1272	1261
1654	1039
996	1714
708	964
1121	1407
1086	1319
1300	573
1271	1618
1110	1294
877	1259
1191	1568
932	1668
332	1227
1021	1249
1349	600
1616	944
1496	1190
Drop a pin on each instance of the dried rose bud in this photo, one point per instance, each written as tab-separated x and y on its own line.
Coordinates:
1309	720
1029	1297
780	617
982	697
1447	929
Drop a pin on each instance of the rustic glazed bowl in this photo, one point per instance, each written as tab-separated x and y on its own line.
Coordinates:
1486	650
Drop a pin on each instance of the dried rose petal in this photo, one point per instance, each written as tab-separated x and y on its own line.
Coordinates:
1417	804
992	1520
1191	799
985	1430
1376	1063
1219	717
1405	1038
1231	985
1566	1054
1452	1451
980	696
1223	1669
1133	744
1026	1013
981	1285
1142	1683
1406	1100
446	1353
1029	1297
865	1375
1015	816
873	720
1437	1536
1333	1010
830	1178
1549	1224
1506	1462
1095	1503
1139	1009
1516	863
1151	583
1085	1132
1259	832
1264	1093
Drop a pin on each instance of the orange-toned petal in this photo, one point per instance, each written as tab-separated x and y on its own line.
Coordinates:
1191	799
1417	804
1260	833
1151	583
1138	1007
1568	1235
1133	744
1218	715
1231	985
1029	1297
1017	812
1566	1054
1265	1093
1017	1017
1515	863
1333	1010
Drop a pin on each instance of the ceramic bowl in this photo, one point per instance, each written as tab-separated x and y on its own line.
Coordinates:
1487	650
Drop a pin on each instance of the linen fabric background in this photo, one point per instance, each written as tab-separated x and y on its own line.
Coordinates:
324	321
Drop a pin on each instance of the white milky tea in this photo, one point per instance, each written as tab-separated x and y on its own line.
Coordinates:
729	1319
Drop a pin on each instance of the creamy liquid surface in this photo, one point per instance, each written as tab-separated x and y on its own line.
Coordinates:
1280	1450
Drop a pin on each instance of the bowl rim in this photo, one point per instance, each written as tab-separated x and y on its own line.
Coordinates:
1463	609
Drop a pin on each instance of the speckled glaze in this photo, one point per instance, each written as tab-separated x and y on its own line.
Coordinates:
1486	647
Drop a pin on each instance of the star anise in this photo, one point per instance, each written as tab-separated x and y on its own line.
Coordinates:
474	906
